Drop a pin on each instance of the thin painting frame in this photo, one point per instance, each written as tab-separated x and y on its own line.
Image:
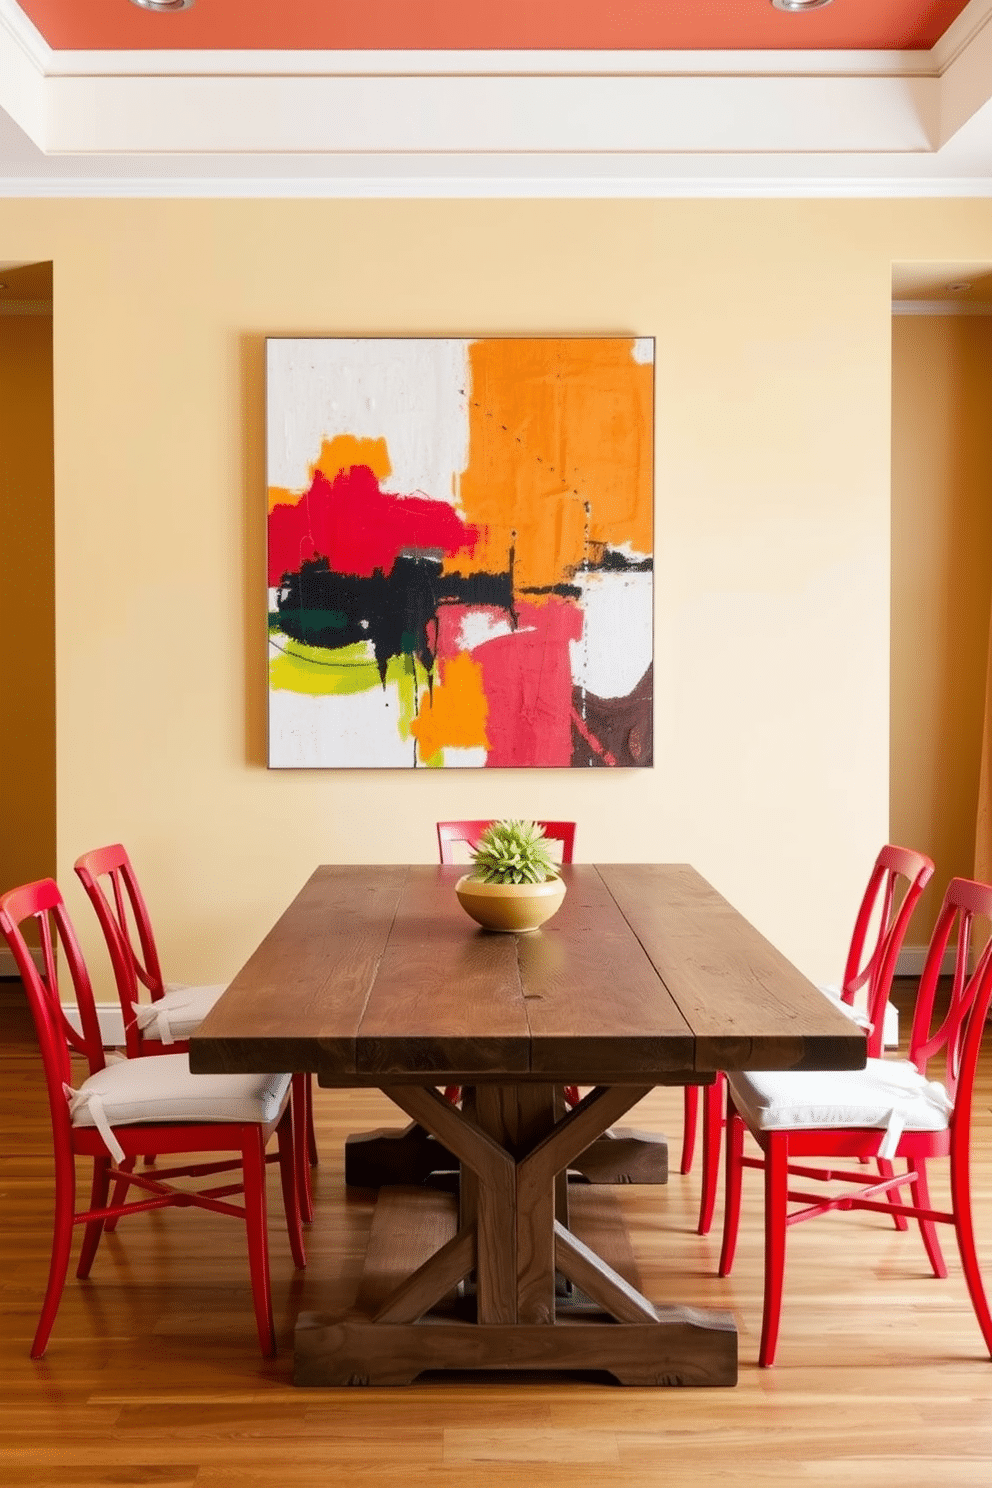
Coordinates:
460	552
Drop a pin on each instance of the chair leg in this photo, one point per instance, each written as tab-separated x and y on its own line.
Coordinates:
253	1159
120	1192
689	1116
311	1133
65	1205
894	1195
94	1228
713	1105
288	1173
964	1229
776	1201
298	1104
734	1168
928	1229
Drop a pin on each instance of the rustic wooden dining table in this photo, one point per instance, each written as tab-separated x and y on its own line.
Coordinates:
375	976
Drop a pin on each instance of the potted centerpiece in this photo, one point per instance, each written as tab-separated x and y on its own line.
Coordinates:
514	884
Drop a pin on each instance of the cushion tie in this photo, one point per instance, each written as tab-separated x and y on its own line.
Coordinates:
915	1091
91	1101
172	1018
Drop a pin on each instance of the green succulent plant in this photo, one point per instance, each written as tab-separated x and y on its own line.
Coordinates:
513	852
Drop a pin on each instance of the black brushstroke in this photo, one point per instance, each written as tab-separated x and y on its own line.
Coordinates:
397	612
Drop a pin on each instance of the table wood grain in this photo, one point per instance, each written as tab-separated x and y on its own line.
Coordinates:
376	975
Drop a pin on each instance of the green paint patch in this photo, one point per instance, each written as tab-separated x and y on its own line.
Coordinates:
409	678
312	622
322	671
338	671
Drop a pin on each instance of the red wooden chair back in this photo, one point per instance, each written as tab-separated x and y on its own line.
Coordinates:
58	1039
110	882
451	832
957	1035
896	882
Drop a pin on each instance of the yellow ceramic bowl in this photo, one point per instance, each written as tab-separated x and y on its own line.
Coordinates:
510	907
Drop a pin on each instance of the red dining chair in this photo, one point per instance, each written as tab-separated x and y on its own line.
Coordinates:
452	834
898	877
131	1107
164	1023
889	1110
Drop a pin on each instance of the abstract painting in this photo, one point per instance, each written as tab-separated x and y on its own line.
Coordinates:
460	552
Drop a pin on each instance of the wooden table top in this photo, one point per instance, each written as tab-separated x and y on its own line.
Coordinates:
375	975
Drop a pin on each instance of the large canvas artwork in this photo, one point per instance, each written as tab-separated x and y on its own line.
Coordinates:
460	552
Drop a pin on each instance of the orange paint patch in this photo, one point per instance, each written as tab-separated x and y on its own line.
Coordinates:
454	714
342	452
560	455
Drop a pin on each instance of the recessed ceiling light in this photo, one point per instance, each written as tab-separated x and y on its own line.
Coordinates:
796	6
162	6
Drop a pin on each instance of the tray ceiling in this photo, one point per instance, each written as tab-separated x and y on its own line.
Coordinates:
531	97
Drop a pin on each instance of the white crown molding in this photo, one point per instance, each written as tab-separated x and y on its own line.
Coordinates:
960	34
422	184
465	115
484	64
22	62
966	81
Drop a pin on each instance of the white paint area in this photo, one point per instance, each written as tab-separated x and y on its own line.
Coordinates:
355	731
463	759
479	626
412	393
643	351
615	648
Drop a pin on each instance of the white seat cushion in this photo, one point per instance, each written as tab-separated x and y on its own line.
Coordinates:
161	1088
888	1094
177	1015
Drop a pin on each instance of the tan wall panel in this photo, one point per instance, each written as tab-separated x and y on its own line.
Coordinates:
941	579
27	593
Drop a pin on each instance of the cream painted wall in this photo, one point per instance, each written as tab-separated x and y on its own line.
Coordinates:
772	475
27	592
941	581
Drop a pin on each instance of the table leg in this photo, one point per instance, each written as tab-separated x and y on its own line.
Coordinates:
512	1238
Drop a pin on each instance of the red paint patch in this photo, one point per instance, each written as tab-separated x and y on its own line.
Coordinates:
527	679
358	528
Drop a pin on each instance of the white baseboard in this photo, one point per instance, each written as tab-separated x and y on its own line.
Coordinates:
109	1013
911	959
111	1022
8	966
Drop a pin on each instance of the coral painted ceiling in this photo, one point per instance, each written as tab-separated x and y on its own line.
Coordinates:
431	25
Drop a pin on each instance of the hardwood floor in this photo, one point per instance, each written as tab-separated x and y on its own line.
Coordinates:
153	1375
